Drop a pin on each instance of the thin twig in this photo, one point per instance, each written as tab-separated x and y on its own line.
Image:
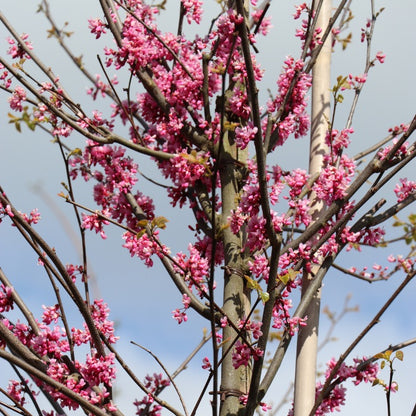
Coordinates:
326	389
166	372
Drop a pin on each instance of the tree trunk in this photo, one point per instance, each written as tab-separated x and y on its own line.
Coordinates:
234	382
305	376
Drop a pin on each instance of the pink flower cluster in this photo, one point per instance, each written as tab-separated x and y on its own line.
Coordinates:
378	272
296	118
251	327
194	269
52	342
244	135
116	177
337	141
334	180
74	270
282	318
185	170
404	149
404	189
5	77
97	27
265	24
193	10
94	222
337	396
6	298
180	314
206	365
147	406
248	210
17	98
18	389
16	51
143	247
243	354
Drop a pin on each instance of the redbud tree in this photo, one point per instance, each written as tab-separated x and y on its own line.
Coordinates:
263	238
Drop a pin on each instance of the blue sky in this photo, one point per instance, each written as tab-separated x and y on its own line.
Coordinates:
139	296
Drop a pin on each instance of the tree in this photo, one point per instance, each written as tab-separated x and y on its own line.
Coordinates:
191	105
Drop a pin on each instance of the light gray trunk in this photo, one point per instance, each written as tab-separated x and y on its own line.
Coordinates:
305	376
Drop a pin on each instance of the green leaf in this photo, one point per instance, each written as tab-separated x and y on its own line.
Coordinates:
290	275
398	222
346	41
160	222
254	285
264	296
143	223
75	152
140	234
399	355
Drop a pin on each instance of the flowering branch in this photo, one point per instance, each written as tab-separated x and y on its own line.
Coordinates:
328	386
170	377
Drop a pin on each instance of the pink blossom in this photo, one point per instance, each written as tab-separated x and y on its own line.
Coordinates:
301	208
193	10
16	51
333	181
146	406
242	354
402	151
179	316
6	298
195	269
296	180
142	247
357	81
97	27
206	364
252	327
265	24
299	10
256	236
338	140
404	189
282	318
32	218
380	57
50	314
73	270
17	390
297	120
94	222
100	313
239	103
245	134
17	98
259	267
